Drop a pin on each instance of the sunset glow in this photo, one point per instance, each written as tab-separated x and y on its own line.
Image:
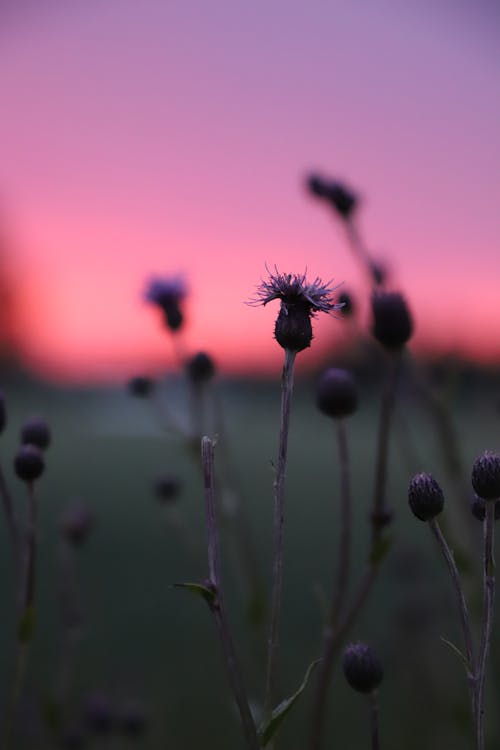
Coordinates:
158	138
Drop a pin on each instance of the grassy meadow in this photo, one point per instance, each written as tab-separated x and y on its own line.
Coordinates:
145	640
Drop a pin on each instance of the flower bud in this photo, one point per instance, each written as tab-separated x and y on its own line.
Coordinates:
167	488
99	714
486	476
336	394
362	669
425	497
140	386
478	508
36	432
28	463
346	304
392	324
200	368
76	524
293	327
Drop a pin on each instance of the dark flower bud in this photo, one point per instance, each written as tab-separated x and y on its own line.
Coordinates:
343	200
336	394
173	316
317	186
140	386
486	476
392	323
167	488
200	368
36	432
28	463
478	508
381	518
77	523
362	669
348	308
378	272
293	327
99	714
133	719
3	413
425	497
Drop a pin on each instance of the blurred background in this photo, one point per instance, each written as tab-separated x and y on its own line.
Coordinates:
154	139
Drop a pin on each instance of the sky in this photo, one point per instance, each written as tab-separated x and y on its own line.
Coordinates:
158	138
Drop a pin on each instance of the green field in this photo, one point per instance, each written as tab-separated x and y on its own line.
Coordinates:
144	639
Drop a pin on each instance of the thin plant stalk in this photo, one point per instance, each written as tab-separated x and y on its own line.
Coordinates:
9	514
374	713
462	608
341	579
217	607
334	636
380	509
278	528
344	555
487	623
27	617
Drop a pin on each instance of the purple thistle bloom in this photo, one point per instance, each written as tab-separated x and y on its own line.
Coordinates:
300	301
169	290
168	294
294	289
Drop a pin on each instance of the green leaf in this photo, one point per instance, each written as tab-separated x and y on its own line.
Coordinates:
26	625
269	727
380	550
208	594
456	651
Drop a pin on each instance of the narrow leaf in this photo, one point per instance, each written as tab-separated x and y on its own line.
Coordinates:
206	593
268	728
456	651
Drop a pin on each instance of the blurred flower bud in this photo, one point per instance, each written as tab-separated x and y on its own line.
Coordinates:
133	719
336	394
76	524
167	488
478	508
425	497
28	463
392	322
36	432
99	713
168	295
362	669
200	368
486	476
346	300
378	272
140	386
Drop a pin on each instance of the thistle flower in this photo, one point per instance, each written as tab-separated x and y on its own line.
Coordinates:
168	294
300	301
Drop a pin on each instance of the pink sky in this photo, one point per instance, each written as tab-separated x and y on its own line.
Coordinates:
154	137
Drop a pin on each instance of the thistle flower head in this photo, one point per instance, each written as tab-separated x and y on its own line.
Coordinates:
167	293
300	301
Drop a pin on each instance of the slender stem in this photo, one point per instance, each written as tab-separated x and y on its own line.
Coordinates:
462	607
487	623
218	608
341	581
344	554
333	636
278	528
374	733
9	514
380	511
31	542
